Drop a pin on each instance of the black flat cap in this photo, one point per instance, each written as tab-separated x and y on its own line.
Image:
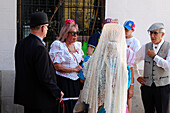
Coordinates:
38	18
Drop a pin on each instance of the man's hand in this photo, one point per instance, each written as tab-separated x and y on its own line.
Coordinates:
61	98
141	80
151	53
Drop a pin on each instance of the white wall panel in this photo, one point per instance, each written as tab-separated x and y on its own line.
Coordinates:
8	32
143	12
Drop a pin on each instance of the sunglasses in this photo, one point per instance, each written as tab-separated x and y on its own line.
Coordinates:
73	33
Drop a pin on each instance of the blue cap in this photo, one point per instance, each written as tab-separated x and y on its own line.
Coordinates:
129	25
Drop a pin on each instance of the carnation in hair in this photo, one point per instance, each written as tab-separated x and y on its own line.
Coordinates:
68	21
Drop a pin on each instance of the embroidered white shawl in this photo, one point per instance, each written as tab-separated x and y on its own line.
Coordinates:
106	72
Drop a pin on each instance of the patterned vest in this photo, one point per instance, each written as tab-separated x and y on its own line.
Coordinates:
153	73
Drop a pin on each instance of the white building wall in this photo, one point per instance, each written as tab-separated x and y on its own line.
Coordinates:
8	32
8	37
144	13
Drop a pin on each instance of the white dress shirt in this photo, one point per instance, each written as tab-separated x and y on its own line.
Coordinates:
160	62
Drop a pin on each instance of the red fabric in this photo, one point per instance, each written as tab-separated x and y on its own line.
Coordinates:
62	106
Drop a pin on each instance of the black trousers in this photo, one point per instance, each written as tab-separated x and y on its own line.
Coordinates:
29	110
155	98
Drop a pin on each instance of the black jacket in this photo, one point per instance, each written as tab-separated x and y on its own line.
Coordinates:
35	81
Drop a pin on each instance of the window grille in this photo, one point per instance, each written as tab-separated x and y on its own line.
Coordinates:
88	14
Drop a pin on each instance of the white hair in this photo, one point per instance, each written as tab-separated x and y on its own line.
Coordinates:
162	30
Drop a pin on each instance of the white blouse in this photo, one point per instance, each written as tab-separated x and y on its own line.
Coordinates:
59	53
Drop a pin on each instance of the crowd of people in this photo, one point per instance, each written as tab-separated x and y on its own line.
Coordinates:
62	81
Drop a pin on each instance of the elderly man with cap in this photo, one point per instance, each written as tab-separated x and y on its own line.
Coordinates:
35	82
156	79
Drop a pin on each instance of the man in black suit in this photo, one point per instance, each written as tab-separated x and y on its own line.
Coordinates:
35	82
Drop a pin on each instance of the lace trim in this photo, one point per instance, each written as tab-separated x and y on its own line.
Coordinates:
106	73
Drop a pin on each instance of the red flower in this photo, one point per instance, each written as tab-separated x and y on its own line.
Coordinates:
68	21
